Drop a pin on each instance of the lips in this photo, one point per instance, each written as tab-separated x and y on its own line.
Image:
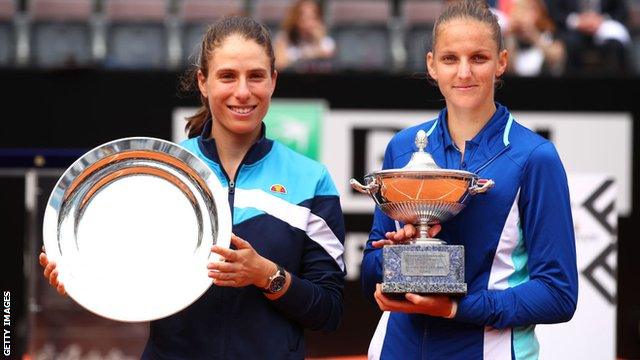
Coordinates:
464	87
241	110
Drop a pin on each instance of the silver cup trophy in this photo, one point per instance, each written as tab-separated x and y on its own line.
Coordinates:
422	194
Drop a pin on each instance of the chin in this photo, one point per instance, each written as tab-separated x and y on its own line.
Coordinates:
244	128
466	104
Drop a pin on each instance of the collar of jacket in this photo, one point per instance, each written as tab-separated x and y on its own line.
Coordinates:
490	141
257	151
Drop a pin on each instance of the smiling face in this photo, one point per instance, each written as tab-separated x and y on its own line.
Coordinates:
238	86
466	62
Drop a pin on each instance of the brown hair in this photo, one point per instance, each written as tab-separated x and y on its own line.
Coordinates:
544	22
469	9
290	22
213	38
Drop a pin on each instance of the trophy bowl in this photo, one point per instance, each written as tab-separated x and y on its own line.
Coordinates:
421	197
422	194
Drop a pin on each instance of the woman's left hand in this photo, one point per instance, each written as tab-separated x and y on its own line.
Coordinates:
433	305
404	235
241	267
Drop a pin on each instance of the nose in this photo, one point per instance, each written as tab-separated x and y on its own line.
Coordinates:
242	92
464	69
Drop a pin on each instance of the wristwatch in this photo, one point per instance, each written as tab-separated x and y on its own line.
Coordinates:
276	281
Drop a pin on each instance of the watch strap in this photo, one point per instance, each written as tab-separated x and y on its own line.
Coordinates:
276	280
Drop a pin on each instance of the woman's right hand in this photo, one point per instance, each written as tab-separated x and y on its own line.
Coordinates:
404	235
51	273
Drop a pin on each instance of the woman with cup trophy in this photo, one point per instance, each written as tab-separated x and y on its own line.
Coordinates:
519	252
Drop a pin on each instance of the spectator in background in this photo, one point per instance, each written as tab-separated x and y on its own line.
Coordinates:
592	25
303	43
531	41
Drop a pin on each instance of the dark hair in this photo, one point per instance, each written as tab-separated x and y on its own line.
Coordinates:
213	38
469	9
290	22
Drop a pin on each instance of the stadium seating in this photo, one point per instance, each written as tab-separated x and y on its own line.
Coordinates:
7	33
60	33
271	13
361	31
634	29
136	34
196	15
418	17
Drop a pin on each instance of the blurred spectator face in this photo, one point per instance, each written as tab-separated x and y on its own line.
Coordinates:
466	62
529	14
309	20
527	10
239	85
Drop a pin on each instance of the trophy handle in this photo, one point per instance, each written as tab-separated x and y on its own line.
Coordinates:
481	186
365	189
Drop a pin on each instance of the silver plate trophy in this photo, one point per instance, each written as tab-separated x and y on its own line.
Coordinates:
422	194
131	224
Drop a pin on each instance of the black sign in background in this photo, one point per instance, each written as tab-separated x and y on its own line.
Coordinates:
44	112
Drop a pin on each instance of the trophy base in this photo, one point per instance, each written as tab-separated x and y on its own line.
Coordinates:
423	269
397	290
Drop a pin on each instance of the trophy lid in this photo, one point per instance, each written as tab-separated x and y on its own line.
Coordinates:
421	160
421	164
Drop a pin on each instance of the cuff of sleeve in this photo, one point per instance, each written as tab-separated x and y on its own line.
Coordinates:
454	309
290	300
467	309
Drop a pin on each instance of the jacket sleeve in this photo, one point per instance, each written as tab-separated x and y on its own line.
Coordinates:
371	268
315	296
550	293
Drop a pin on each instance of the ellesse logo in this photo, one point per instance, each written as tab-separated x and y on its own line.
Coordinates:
278	188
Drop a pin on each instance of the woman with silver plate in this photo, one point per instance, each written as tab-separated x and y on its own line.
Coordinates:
284	271
520	258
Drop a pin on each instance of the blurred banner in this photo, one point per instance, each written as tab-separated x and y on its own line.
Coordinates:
591	332
351	144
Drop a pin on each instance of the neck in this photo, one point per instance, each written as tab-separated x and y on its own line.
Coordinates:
465	124
232	147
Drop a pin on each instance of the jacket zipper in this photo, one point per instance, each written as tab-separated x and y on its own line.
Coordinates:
232	183
231	198
232	188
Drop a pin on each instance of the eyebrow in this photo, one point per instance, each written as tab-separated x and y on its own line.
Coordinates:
472	51
235	70
485	52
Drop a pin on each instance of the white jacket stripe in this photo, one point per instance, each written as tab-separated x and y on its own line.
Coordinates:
297	216
375	346
497	343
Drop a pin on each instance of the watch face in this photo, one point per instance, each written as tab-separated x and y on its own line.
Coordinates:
277	284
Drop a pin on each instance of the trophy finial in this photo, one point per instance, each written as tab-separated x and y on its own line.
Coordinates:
421	140
421	160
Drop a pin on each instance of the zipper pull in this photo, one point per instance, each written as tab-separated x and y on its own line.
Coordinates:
232	187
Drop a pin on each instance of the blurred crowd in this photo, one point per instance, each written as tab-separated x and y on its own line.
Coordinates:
544	37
